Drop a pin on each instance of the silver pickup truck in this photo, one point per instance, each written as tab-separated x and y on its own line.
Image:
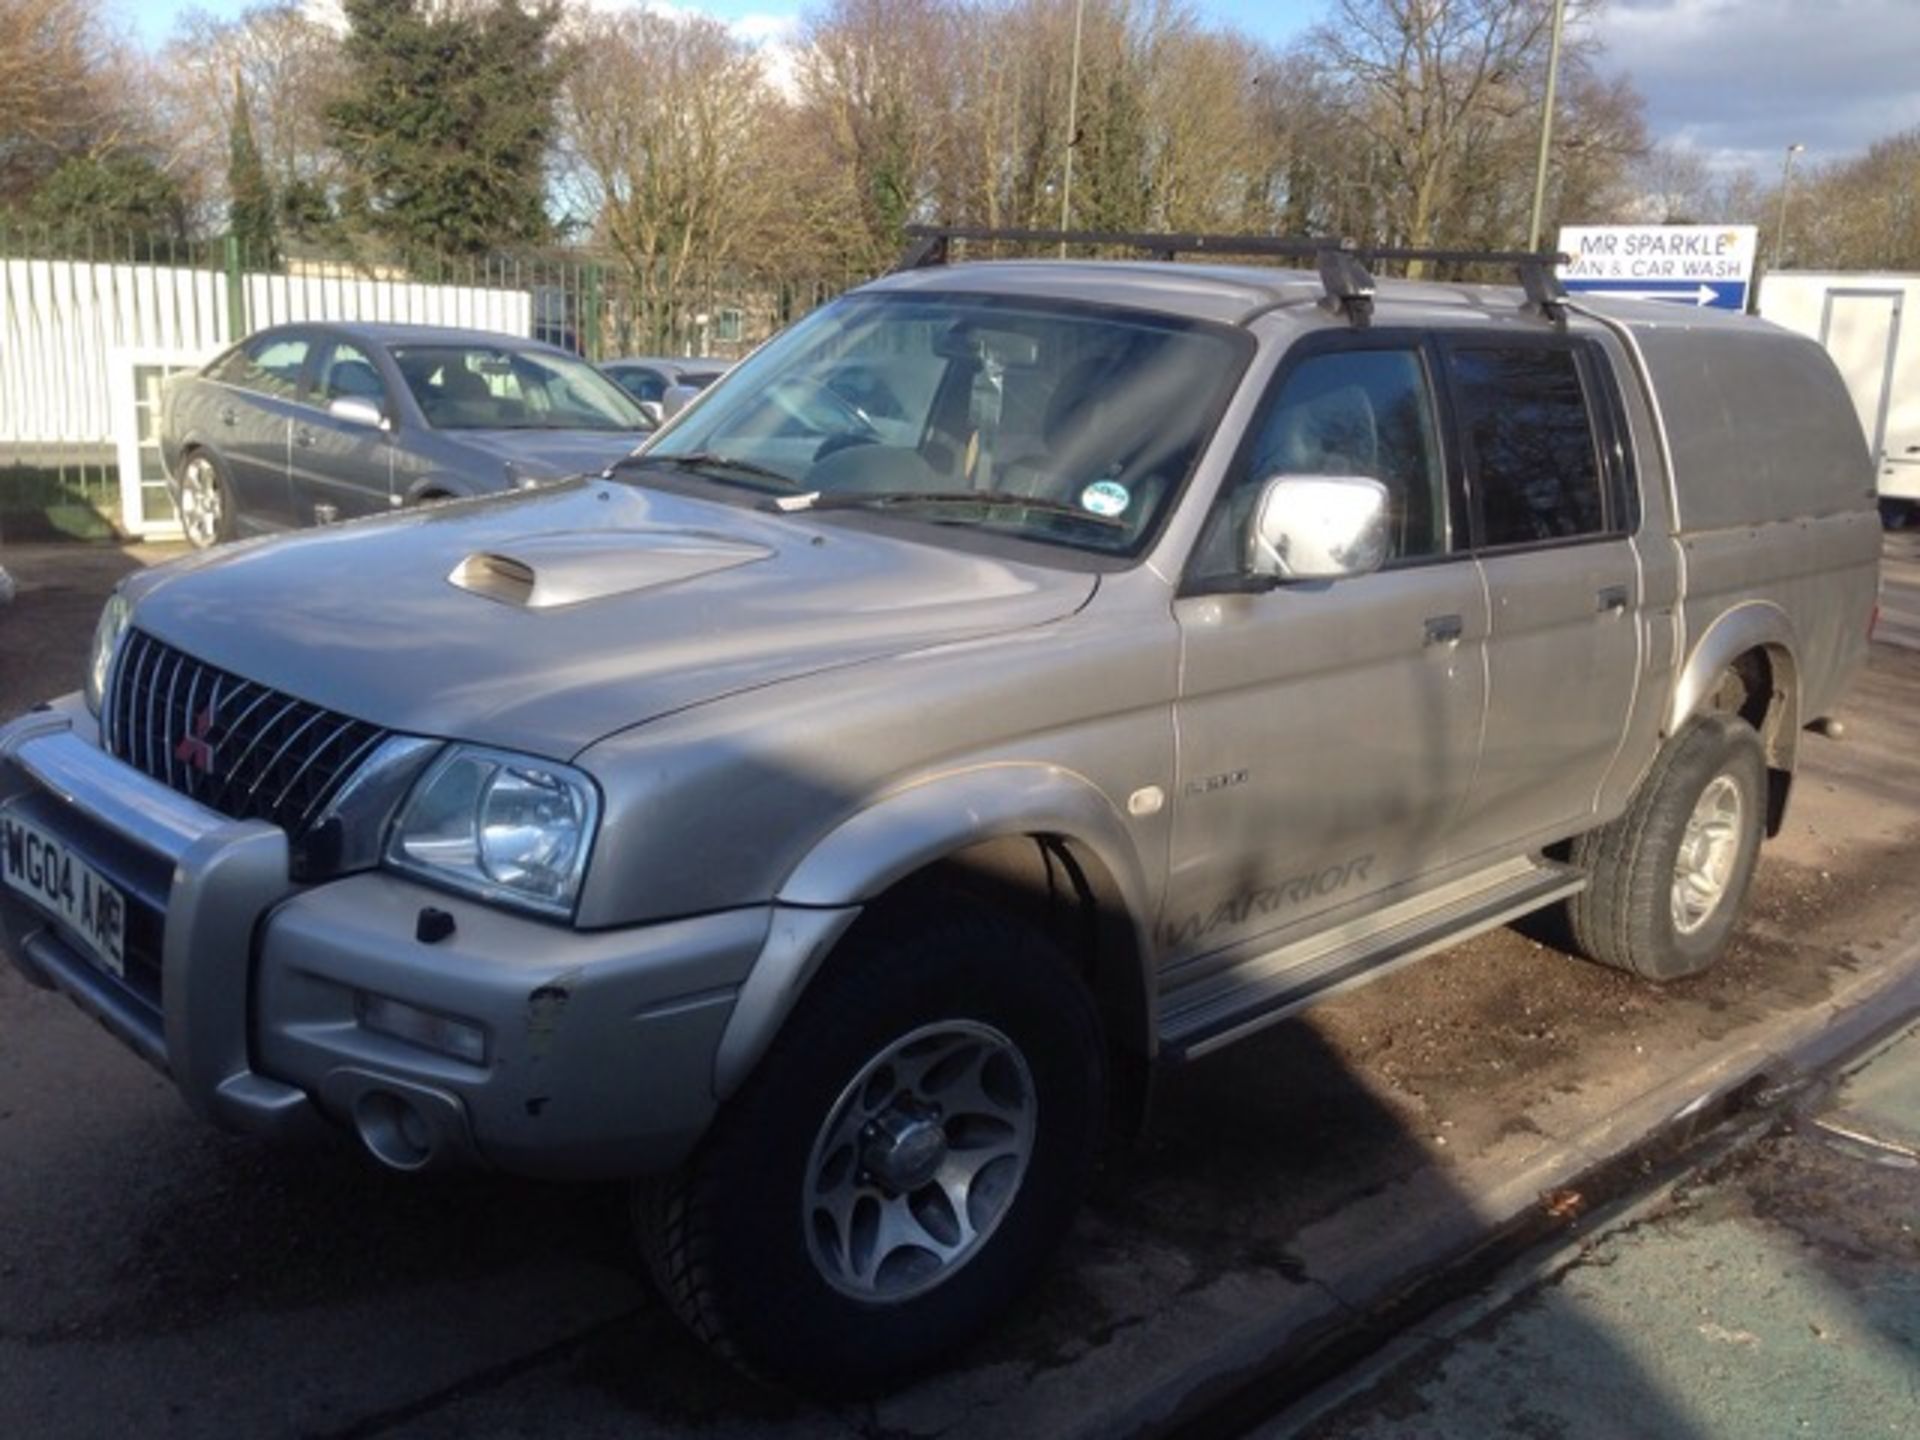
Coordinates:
1014	677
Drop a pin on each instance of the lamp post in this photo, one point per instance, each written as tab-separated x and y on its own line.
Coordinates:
1546	125
1073	123
1780	225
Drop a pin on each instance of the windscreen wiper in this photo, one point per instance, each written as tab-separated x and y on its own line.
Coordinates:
988	499
702	461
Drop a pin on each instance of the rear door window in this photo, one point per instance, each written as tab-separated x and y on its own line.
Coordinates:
1532	464
268	364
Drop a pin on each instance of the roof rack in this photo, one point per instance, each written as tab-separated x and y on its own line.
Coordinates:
1344	267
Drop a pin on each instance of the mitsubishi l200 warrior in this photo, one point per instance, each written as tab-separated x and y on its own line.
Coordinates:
1015	676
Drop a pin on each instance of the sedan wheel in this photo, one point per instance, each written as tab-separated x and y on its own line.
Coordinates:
203	503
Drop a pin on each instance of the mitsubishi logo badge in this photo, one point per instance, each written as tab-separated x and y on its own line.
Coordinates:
194	750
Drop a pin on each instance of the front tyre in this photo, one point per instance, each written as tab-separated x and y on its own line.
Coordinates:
206	501
900	1164
1668	877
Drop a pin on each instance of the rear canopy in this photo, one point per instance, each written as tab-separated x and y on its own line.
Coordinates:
1760	425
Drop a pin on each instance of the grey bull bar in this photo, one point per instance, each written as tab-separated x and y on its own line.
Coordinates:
224	875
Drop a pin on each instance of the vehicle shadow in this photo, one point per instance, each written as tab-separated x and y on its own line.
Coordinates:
476	1305
46	627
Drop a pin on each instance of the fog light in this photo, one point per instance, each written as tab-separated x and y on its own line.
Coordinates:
461	1039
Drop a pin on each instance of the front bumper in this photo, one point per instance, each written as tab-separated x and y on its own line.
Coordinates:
250	991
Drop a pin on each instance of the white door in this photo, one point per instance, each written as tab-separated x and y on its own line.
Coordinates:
1861	331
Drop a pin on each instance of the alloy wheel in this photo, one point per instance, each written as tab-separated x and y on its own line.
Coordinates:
1709	849
919	1160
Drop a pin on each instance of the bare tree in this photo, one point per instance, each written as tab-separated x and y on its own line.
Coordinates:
62	89
1600	137
878	86
1673	187
660	117
1210	150
1427	79
287	63
1858	214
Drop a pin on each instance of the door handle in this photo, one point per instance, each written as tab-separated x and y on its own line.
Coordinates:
1611	598
1445	629
229	417
302	436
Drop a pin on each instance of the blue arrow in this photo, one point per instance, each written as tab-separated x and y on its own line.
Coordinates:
1701	294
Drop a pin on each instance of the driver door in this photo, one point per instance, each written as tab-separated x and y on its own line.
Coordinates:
1328	732
342	469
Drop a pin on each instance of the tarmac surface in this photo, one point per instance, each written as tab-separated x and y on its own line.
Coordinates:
1775	1295
161	1278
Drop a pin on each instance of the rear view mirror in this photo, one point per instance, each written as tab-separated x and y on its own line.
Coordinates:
1318	527
358	410
1000	349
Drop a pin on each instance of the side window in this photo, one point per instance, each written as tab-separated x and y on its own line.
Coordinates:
1347	412
346	371
1530	448
270	364
231	368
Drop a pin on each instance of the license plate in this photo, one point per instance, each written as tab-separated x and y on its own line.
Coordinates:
48	872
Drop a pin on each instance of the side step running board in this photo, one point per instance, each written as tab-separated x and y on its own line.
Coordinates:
1265	989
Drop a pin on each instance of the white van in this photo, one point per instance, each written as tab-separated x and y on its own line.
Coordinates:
1857	318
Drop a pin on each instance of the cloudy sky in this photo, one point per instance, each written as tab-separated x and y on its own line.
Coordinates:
1744	79
1737	81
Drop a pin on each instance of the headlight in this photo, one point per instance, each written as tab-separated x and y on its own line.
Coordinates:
106	643
501	826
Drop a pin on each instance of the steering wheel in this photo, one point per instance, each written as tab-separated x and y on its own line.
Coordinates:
859	427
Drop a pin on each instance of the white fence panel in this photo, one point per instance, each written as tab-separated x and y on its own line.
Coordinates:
63	319
282	299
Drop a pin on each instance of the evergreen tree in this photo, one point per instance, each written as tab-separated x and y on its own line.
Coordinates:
121	201
250	202
445	124
305	211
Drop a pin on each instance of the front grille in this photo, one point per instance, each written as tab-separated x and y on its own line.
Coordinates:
235	746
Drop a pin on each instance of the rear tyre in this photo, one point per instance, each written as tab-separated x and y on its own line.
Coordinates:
206	501
900	1164
1668	877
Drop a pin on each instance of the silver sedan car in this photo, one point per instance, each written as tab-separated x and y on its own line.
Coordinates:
305	424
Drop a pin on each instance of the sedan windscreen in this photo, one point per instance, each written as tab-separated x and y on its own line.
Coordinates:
484	387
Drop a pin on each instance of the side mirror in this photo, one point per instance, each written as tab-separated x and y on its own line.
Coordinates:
677	398
1318	527
358	410
654	412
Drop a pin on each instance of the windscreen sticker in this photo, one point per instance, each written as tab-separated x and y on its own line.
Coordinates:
1106	497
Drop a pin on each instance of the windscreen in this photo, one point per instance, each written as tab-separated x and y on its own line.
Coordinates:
487	387
1092	416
